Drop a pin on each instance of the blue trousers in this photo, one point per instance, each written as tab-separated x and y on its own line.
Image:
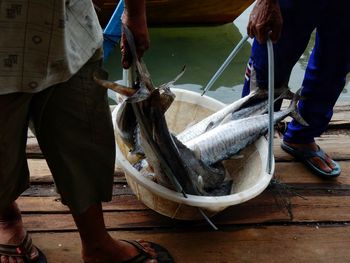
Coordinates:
327	67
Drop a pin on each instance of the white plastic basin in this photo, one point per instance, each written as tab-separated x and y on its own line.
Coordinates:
248	170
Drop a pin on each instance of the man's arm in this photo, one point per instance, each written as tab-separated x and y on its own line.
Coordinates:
134	17
265	20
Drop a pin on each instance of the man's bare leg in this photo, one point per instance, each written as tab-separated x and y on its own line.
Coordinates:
98	245
12	232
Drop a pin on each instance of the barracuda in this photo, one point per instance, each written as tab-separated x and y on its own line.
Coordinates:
215	119
229	138
173	164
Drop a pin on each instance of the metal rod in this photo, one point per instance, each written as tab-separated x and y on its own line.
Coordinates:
208	219
225	64
271	86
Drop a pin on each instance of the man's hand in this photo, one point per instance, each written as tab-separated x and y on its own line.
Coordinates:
265	20
134	17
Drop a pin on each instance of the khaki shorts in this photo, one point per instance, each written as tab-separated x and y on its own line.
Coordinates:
74	129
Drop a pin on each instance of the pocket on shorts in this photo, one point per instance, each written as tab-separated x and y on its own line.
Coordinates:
96	101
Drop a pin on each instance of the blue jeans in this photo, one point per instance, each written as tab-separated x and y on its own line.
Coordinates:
327	67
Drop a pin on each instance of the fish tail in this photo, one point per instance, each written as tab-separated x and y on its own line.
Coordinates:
287	94
170	83
293	109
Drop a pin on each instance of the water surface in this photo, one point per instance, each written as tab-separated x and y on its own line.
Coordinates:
203	50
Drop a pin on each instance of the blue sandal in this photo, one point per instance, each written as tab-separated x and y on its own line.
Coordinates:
305	155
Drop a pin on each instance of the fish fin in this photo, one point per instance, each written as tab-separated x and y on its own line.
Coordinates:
99	78
286	94
144	75
293	109
170	83
296	116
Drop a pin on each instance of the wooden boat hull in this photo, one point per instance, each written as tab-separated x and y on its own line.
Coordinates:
248	173
183	12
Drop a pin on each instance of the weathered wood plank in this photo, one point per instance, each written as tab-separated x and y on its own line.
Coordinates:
295	173
336	146
291	172
53	205
301	244
262	209
49	190
33	150
40	172
341	113
333	144
249	232
114	220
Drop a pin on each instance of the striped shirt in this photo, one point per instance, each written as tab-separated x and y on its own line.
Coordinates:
44	42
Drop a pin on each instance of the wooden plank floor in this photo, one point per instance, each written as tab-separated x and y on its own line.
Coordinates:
315	229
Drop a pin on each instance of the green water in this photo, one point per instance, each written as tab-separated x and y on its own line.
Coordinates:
203	50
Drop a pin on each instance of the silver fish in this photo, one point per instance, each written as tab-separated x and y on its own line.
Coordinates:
215	119
174	166
258	108
228	139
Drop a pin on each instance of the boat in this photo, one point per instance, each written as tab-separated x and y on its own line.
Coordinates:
249	171
181	12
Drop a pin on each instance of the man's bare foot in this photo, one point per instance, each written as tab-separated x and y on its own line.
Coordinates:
99	246
13	233
326	165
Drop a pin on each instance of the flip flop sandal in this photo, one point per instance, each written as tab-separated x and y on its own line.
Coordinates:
305	155
163	255
22	250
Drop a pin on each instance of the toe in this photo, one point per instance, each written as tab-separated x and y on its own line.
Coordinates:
330	162
322	165
4	259
34	254
148	247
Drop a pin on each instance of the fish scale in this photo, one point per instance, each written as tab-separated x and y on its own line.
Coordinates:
228	139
